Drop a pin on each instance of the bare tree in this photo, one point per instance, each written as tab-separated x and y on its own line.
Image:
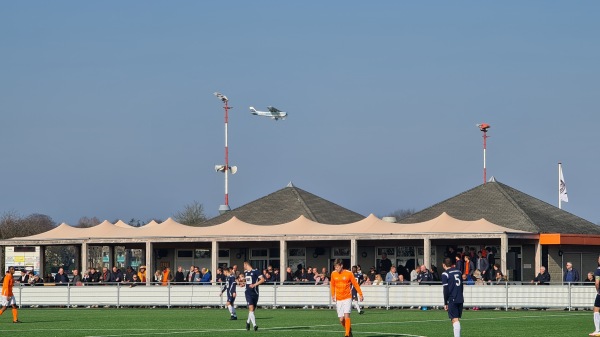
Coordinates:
60	256
402	213
85	222
13	225
192	215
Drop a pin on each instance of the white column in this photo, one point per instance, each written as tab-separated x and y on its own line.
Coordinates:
84	257
149	263
503	253
214	259
283	261
426	252
353	252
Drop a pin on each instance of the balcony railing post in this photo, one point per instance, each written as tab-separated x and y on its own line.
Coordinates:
507	289
169	295
570	296
387	296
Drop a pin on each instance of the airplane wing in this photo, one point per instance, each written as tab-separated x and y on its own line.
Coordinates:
273	109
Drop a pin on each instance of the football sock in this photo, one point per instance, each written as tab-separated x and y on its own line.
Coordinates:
456	326
15	314
347	326
229	308
357	306
233	310
251	318
597	321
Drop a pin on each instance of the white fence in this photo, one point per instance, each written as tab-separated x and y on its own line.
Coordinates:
386	296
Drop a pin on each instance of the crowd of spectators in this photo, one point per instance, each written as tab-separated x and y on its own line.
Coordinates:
302	275
477	268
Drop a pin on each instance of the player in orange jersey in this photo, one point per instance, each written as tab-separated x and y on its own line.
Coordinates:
7	294
341	293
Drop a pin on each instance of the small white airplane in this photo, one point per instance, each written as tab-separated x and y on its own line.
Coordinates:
273	113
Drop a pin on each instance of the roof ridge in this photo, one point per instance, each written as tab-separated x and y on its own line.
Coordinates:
303	203
516	205
440	202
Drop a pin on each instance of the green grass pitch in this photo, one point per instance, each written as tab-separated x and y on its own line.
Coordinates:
120	322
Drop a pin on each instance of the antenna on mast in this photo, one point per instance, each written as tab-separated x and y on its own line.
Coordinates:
483	127
225	168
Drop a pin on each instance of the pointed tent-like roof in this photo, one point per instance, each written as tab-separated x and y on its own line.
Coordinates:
61	231
122	224
507	207
287	205
166	228
443	224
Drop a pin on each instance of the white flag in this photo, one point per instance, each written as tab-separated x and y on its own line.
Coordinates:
562	187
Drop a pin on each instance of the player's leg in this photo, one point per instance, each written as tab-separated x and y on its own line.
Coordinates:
228	306
347	325
231	307
251	309
255	306
456	327
596	317
344	314
15	313
4	304
250	316
340	312
455	313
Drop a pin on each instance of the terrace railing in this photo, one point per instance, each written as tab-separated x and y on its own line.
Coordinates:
504	296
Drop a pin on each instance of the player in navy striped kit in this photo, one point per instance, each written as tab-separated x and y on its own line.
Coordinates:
452	283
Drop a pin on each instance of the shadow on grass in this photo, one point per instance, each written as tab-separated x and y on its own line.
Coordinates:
292	328
388	335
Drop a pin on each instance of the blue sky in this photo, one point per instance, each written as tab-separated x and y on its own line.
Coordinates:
106	108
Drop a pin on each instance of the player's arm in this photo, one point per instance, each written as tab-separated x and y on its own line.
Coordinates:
446	290
259	281
332	287
233	289
357	287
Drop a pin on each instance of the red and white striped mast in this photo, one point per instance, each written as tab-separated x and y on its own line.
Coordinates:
225	168
483	127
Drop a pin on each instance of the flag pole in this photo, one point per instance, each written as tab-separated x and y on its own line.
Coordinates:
559	198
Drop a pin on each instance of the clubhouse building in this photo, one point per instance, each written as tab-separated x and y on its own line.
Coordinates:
292	227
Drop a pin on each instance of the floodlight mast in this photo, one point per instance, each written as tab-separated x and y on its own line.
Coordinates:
483	127
225	168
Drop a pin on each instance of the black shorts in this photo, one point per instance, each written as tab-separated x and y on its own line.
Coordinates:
354	295
252	299
230	299
455	310
597	301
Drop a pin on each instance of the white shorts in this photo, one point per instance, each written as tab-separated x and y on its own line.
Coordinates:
343	307
8	300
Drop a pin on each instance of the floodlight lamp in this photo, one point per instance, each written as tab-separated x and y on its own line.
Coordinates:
483	127
221	96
